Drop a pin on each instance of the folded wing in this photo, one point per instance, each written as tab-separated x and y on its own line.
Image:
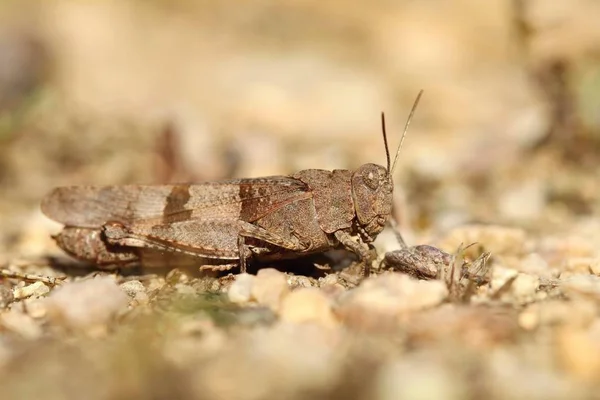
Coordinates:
246	199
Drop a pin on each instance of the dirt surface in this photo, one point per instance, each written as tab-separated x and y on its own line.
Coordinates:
499	171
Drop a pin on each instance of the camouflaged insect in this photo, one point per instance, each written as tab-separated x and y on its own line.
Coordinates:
224	224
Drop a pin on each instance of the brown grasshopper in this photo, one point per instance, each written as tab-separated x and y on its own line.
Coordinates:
226	223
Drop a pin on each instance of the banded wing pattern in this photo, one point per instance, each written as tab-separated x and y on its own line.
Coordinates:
245	199
202	220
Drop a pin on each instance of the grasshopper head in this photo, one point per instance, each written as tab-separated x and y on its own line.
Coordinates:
372	190
372	187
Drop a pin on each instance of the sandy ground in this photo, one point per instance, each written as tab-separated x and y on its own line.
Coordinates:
503	153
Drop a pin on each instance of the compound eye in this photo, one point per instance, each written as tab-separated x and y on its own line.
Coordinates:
371	179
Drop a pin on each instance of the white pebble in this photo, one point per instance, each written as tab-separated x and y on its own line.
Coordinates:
524	287
240	290
269	288
581	285
36	289
87	304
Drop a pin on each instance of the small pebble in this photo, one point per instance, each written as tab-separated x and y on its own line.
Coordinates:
270	287
333	291
132	288
88	304
380	301
177	276
299	281
557	249
35	308
511	375
215	286
240	290
155	284
580	353
555	312
478	327
329	279
579	265
595	266
418	379
36	289
6	297
21	324
501	276
581	285
536	265
307	305
136	291
524	287
185	289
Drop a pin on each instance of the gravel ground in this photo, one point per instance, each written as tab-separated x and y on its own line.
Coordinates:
497	195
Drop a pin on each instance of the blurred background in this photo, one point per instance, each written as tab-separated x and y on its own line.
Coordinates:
507	134
110	92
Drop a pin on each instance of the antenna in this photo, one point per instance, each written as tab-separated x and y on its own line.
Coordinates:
412	111
385	143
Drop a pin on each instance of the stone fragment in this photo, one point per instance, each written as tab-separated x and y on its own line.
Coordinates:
382	300
524	287
502	277
595	266
136	291
554	312
329	279
307	305
535	264
579	265
21	323
511	286
36	289
184	289
581	285
556	249
510	375
300	281
6	297
278	361
422	261
88	305
132	288
418	379
480	327
331	285
269	288
240	290
35	308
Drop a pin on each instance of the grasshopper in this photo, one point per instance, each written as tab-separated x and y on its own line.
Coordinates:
224	224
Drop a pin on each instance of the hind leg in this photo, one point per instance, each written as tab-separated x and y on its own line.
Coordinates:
88	245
